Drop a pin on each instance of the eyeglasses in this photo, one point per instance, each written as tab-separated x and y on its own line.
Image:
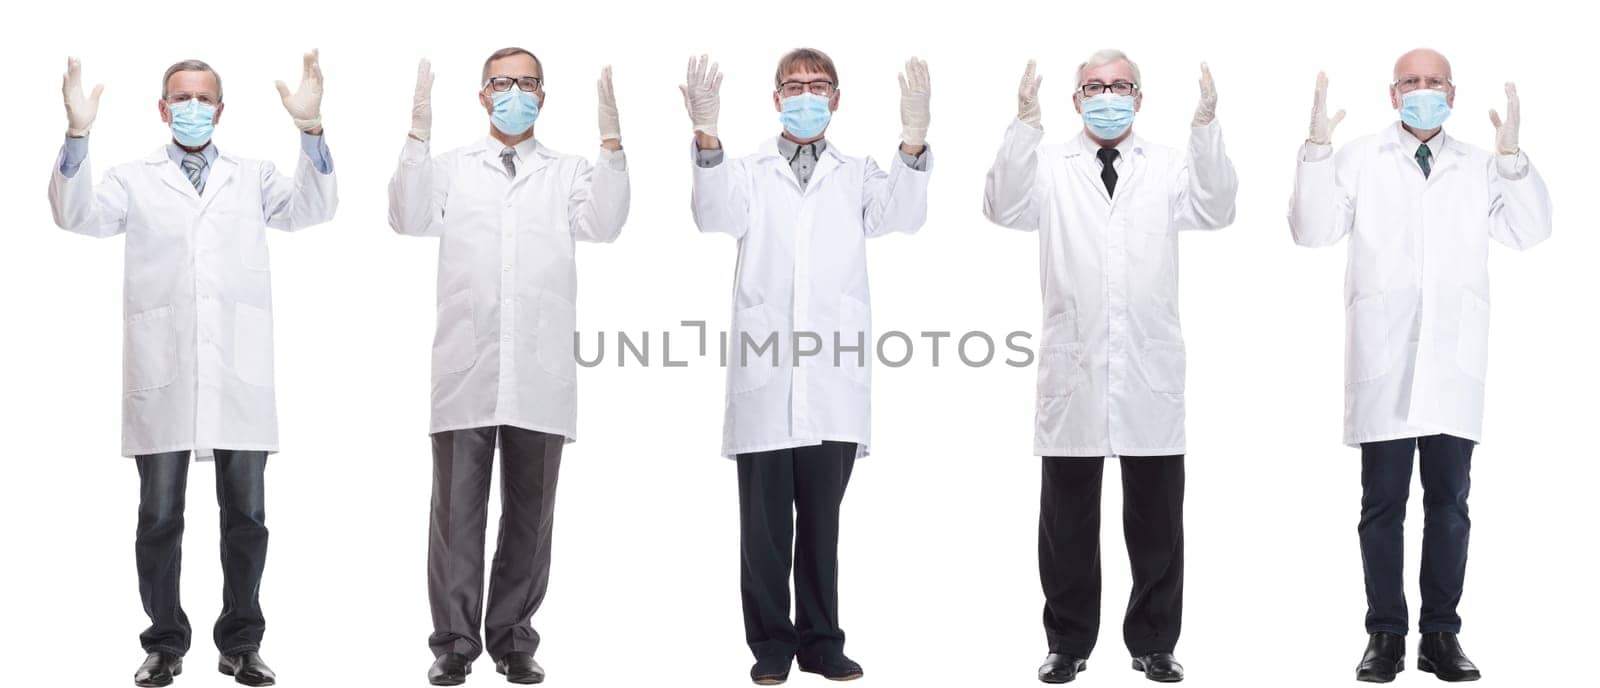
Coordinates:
181	98
794	88
1407	84
1121	88
501	84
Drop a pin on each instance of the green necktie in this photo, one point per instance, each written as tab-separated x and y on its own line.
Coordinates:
1425	160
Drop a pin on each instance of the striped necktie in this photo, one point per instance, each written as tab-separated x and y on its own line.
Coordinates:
194	164
509	157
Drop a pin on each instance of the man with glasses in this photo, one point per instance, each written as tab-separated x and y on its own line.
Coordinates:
1420	208
508	212
801	211
1108	206
197	374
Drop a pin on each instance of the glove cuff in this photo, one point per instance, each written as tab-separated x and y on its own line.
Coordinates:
307	124
914	136
707	129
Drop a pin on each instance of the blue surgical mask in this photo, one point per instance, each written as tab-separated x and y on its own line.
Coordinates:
192	122
514	111
1425	109
1108	115
805	115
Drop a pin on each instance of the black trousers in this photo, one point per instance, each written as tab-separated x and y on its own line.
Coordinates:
1385	488
789	501
1069	552
158	549
463	461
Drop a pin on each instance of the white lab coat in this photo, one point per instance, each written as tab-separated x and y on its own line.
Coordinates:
1417	280
1111	356
197	291
507	283
803	268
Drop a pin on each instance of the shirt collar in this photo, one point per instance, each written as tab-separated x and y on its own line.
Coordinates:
1410	142
176	154
788	149
524	149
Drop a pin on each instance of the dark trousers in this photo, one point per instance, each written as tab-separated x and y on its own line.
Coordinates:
463	461
789	501
158	549
1069	552
1385	487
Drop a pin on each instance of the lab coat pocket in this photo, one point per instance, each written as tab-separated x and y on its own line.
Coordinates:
149	350
1367	345
1061	370
750	365
855	327
558	320
1472	341
252	344
1164	366
253	250
455	336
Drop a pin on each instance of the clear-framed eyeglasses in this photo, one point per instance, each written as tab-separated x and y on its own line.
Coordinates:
181	98
793	88
1412	82
501	84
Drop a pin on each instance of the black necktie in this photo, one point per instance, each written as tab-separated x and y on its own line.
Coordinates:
1108	168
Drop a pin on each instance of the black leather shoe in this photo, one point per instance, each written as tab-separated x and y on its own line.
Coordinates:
1385	657
770	671
158	669
519	667
1061	668
834	668
1440	654
247	668
449	669
1160	667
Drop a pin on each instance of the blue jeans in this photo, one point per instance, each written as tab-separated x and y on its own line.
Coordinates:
158	549
1385	488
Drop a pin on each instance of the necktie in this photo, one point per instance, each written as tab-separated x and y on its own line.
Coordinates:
1425	160
509	157
193	165
1108	170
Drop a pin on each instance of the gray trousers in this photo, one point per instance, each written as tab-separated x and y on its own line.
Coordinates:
463	462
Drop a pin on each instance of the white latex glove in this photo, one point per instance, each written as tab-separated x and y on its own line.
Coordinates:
914	96
610	125
701	95
1322	125
1207	109
422	103
305	104
80	110
1505	133
1028	97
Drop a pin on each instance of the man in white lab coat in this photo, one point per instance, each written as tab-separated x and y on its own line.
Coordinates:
1108	206
508	212
1420	207
798	406
197	342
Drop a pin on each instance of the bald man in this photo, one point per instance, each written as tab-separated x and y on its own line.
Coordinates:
1420	208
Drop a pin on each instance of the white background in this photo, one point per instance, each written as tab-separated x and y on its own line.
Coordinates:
939	580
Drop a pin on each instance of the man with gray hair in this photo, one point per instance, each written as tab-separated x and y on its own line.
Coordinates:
1108	206
1420	208
197	374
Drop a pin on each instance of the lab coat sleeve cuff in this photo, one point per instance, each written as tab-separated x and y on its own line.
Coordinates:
707	158
1512	167
918	162
316	148
1315	152
615	160
415	152
73	152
